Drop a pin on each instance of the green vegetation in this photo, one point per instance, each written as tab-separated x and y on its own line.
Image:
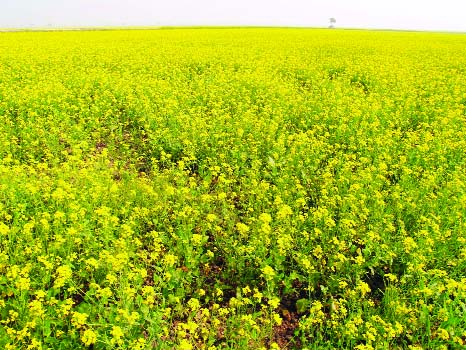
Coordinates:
232	189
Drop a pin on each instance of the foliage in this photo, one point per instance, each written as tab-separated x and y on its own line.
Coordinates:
232	189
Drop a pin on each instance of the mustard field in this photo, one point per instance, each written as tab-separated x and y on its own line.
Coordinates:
232	189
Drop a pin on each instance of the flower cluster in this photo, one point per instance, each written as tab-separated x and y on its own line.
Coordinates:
232	189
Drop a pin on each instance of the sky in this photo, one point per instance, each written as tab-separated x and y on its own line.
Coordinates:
444	15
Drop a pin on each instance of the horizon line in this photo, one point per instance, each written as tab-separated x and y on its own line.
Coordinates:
57	28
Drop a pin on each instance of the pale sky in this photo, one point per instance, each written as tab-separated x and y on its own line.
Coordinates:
444	15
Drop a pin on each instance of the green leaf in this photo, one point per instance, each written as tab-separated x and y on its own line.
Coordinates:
302	305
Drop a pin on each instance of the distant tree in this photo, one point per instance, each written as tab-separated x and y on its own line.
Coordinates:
332	22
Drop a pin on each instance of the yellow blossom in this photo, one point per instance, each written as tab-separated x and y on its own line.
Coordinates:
89	337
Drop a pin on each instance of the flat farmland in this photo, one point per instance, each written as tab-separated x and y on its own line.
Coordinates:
232	188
